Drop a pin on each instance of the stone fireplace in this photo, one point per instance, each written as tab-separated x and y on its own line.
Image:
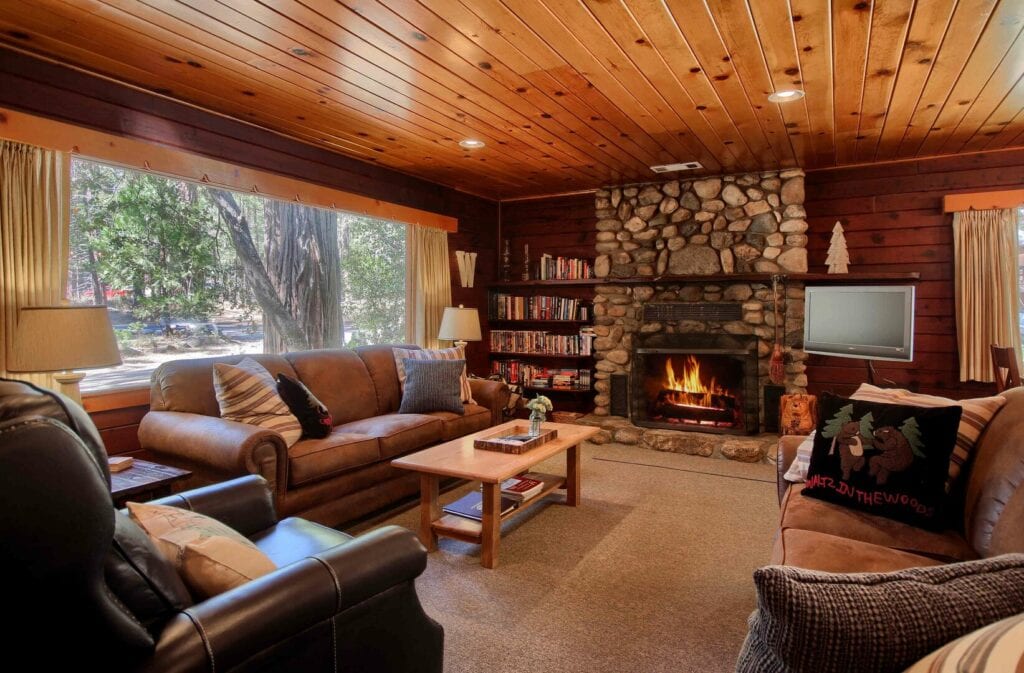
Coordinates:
738	231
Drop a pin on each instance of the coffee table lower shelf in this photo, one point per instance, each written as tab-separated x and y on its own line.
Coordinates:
468	530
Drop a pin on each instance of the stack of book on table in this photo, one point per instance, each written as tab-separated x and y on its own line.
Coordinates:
514	492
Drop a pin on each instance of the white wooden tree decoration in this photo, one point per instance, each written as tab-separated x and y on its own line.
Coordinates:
838	259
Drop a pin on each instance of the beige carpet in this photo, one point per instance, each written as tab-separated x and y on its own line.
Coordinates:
651	573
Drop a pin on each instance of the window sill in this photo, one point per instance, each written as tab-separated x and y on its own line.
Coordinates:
128	394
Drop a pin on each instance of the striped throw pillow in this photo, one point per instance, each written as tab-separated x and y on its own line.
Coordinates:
996	648
977	413
247	393
456	353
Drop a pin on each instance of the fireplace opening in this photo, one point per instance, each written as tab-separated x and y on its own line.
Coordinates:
706	384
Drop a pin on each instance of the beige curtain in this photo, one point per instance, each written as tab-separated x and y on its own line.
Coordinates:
33	237
987	298
428	287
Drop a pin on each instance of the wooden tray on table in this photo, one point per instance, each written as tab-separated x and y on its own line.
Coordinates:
516	439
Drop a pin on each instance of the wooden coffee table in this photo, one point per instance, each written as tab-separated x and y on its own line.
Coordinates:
458	458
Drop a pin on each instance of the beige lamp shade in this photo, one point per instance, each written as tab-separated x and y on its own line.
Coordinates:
460	324
62	338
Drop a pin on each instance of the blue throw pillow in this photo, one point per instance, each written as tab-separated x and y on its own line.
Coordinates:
432	385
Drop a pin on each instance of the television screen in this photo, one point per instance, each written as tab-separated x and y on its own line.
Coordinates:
860	322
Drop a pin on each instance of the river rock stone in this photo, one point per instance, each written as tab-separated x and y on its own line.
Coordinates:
728	261
744	450
766	266
746	252
650	195
793	227
797	240
668	206
794	260
609	225
681	215
733	195
690	443
738	292
756	208
771	184
739	225
707	189
794	212
771	252
776	239
720	240
625	210
635	224
765	223
671	189
694	259
690	201
793	191
662	262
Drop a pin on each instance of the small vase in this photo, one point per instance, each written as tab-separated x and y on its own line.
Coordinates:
535	425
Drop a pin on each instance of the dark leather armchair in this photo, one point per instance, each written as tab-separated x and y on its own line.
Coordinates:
84	587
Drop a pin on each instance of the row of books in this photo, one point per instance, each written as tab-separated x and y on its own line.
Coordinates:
512	307
565	268
541	342
514	492
533	376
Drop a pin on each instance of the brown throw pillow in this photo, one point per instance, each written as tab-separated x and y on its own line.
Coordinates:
209	556
814	622
247	393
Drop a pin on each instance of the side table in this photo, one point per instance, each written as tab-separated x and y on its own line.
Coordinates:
144	481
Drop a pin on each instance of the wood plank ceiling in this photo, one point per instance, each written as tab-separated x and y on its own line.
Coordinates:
568	94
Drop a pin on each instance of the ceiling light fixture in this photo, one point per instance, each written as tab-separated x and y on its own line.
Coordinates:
471	144
786	95
671	168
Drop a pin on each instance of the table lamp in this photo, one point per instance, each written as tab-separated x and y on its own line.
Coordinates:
62	339
460	324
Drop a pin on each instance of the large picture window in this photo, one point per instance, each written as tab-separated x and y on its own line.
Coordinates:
189	270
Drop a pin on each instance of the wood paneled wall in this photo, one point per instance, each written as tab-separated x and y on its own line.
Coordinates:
892	214
561	225
56	92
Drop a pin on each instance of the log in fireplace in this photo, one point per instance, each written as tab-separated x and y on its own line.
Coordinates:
700	382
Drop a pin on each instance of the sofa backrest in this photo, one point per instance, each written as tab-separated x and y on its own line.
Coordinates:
994	502
339	379
380	362
187	385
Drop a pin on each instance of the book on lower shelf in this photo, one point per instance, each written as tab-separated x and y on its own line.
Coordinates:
471	506
521	488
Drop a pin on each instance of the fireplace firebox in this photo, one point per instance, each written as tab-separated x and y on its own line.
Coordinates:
698	382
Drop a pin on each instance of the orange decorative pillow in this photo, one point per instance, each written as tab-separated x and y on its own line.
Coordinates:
209	556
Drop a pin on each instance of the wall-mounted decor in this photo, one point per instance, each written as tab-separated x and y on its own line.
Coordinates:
467	267
838	259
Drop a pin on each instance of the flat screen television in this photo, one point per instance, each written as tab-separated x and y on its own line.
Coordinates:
870	322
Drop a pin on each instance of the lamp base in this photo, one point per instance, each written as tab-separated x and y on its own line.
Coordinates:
459	343
69	381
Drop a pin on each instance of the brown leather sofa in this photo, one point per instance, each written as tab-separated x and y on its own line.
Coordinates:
989	508
85	587
332	480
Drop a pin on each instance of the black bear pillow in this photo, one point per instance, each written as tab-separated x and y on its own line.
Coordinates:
886	459
313	416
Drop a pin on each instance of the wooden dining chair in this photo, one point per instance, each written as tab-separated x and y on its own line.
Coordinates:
1005	367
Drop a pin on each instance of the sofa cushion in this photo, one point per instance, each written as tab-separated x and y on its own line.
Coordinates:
826	517
292	540
456	353
398	433
340	380
380	363
996	648
474	419
851	623
313	416
812	550
432	385
313	459
247	393
887	459
187	385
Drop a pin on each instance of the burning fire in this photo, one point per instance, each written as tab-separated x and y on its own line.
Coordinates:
695	392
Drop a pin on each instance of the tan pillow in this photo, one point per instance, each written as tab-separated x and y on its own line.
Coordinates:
455	353
996	648
977	412
247	393
209	556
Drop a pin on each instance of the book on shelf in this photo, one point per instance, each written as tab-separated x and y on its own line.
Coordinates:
521	488
534	376
471	506
516	307
539	342
564	268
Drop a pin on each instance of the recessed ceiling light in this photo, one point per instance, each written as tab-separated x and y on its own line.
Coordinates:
471	144
786	95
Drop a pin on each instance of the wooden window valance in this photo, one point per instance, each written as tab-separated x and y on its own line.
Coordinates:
998	200
143	156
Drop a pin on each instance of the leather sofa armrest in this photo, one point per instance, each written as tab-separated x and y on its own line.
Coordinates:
491	394
245	504
282	609
226	447
787	454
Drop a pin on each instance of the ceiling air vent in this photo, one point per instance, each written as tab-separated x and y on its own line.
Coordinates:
671	168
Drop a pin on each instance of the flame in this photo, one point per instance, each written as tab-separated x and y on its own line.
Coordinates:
696	392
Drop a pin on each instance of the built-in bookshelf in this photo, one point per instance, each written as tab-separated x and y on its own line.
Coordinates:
541	338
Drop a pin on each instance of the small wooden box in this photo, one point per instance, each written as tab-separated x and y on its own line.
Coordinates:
494	442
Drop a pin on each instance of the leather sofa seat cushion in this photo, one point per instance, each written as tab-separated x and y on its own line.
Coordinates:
825	517
454	426
311	460
398	433
812	550
340	380
294	539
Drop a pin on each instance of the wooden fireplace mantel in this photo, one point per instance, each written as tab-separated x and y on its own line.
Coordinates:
809	278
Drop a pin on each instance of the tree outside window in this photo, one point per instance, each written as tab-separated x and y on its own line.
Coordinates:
193	271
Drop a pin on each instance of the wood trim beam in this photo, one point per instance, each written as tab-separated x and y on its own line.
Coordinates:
1007	198
145	156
